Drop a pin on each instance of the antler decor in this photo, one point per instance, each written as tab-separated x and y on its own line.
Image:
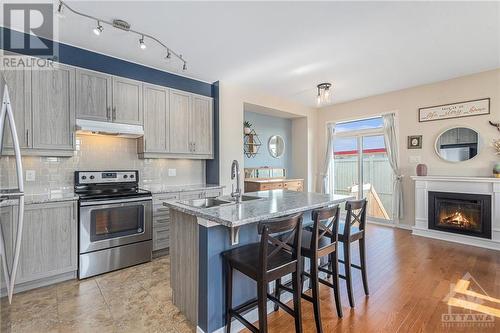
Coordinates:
497	125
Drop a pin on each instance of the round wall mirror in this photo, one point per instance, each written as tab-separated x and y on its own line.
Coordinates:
276	146
458	144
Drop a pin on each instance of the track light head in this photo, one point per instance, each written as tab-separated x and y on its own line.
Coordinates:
184	67
169	55
97	30
141	43
60	8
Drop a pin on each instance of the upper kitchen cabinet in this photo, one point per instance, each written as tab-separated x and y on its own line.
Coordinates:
201	126
156	120
127	101
53	108
180	106
93	95
102	97
177	124
19	83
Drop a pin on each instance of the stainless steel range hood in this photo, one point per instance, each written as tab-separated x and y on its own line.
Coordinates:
92	127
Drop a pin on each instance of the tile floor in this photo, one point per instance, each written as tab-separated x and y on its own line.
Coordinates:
135	299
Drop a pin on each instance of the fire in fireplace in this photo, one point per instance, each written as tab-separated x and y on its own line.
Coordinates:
468	214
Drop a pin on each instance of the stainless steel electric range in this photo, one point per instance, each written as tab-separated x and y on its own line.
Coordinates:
115	221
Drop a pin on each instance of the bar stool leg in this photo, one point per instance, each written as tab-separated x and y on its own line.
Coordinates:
334	265
297	295
362	257
347	266
315	294
277	292
262	305
229	295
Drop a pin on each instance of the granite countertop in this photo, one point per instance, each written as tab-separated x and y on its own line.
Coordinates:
271	180
37	198
272	204
158	188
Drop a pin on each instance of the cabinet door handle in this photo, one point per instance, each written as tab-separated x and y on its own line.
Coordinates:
27	138
114	113
194	146
108	112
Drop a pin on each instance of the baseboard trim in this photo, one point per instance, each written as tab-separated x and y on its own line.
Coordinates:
41	283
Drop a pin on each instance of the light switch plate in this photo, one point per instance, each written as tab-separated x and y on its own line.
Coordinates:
415	159
172	172
30	175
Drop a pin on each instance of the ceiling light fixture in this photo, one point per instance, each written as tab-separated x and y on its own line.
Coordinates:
324	94
97	30
141	43
122	25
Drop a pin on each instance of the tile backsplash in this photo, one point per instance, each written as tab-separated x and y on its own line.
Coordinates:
99	153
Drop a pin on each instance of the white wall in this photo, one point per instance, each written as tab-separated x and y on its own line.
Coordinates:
231	108
406	103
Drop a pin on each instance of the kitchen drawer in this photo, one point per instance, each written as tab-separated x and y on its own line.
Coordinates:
271	186
160	239
294	185
161	222
160	210
159	198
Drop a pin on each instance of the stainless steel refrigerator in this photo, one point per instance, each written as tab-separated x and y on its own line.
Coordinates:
7	119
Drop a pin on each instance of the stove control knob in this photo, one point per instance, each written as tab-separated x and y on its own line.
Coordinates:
92	177
84	177
132	176
125	176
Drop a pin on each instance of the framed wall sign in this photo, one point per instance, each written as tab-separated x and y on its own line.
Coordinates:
455	110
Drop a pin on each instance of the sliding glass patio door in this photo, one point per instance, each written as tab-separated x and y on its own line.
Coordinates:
361	169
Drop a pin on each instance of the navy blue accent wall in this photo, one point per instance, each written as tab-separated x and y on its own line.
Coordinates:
212	166
76	56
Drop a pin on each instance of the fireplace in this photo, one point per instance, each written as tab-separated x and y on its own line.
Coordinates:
462	213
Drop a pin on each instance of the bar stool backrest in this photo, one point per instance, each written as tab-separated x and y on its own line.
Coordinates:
356	213
326	224
290	226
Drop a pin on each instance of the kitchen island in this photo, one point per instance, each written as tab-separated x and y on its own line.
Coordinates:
202	230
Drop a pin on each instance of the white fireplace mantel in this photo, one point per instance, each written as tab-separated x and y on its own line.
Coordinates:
471	185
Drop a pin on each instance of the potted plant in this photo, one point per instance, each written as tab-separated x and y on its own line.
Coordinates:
496	168
247	127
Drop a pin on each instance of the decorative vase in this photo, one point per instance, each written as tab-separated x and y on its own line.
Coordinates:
247	130
421	170
496	170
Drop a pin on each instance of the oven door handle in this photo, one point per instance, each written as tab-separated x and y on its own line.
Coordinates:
107	202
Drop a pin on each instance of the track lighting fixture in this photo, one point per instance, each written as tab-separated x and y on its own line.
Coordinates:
97	30
141	43
121	25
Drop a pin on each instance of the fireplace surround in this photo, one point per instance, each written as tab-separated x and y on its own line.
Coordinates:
461	213
464	186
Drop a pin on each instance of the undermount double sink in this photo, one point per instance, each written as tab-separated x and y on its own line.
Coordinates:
216	202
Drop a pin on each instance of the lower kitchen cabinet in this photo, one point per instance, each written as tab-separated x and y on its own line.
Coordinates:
161	214
6	223
49	242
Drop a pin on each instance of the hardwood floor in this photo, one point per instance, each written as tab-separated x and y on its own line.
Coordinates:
410	278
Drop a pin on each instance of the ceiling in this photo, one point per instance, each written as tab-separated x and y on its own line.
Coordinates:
286	48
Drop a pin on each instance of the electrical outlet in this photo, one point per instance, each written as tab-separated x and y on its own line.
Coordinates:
415	159
172	172
30	175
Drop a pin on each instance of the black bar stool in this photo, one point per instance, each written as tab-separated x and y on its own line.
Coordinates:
266	261
319	241
350	232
